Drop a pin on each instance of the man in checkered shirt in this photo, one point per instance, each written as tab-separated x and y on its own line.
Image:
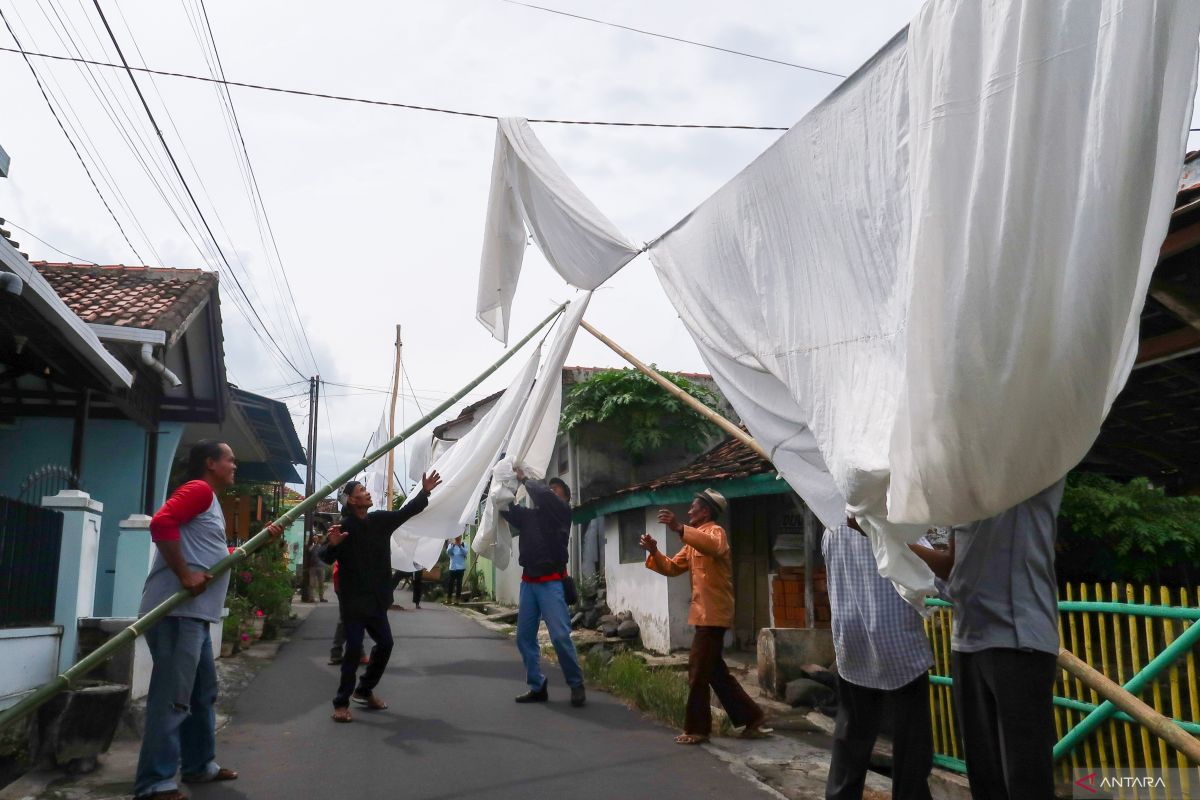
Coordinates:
883	656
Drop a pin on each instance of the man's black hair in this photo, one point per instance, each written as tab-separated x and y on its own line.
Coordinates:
201	452
562	483
348	490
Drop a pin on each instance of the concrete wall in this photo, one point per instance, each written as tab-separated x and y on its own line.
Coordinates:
30	658
114	459
659	604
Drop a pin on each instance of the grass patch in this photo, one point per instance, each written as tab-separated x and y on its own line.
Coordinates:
661	693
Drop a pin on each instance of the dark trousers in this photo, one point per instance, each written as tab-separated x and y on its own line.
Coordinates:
417	578
706	669
454	587
355	627
1002	698
859	712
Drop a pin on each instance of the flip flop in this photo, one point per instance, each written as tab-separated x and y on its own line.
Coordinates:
690	739
222	774
342	715
756	733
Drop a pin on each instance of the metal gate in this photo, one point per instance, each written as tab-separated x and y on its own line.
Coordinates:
30	541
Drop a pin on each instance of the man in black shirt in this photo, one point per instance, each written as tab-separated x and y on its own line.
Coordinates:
362	547
545	531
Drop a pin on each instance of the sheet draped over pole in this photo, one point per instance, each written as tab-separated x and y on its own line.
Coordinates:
32	701
923	299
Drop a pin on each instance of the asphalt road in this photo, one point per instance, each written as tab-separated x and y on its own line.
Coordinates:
453	730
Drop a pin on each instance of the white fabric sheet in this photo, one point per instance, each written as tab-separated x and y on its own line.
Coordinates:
530	193
943	264
461	468
531	446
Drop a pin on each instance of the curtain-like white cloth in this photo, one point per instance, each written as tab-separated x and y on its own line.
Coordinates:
938	272
531	194
375	477
531	446
461	468
924	298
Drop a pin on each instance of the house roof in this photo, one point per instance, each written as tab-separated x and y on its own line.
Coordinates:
732	468
39	304
136	297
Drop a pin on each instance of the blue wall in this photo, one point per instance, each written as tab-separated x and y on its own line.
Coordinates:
114	457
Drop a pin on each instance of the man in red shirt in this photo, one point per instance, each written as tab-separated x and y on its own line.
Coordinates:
189	533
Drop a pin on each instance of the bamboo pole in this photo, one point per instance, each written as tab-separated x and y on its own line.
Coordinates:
1117	696
64	681
680	394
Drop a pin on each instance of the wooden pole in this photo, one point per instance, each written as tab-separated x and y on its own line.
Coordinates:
691	402
391	465
1156	723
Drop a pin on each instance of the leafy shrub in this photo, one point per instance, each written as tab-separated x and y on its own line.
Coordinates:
1131	531
648	417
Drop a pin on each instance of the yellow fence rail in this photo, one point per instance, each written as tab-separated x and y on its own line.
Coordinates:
1116	644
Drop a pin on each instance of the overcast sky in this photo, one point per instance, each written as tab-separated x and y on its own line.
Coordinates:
378	212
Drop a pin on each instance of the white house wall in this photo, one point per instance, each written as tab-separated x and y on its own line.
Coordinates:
30	658
659	605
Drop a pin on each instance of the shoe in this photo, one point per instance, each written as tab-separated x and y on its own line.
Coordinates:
578	696
335	658
540	696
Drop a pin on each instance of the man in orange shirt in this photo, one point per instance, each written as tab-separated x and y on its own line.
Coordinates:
706	555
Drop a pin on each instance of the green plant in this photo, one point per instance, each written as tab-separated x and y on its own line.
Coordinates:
647	416
1126	531
661	693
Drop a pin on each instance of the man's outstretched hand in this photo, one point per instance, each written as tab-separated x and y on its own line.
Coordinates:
430	482
648	544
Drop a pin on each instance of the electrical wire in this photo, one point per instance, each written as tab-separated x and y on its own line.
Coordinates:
70	141
257	191
43	241
676	39
388	103
183	181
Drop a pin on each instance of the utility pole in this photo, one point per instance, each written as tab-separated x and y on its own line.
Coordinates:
391	460
310	484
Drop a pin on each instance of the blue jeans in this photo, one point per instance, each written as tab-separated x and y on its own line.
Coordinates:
546	601
180	719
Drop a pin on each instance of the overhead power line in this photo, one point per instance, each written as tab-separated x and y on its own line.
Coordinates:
386	103
43	241
70	141
187	188
676	39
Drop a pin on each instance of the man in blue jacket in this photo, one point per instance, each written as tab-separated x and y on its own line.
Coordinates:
544	530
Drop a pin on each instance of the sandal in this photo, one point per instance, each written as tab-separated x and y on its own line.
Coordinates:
222	774
372	702
169	794
341	715
755	732
690	738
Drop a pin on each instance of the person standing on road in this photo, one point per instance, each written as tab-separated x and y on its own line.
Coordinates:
1004	645
316	569
883	656
361	546
458	566
189	537
545	531
707	556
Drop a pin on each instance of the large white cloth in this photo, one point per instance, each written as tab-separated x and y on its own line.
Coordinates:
461	468
942	266
530	193
924	297
531	446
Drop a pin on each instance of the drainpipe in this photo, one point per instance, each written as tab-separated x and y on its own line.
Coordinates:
11	282
169	378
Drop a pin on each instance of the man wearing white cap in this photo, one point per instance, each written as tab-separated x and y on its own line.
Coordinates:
707	556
